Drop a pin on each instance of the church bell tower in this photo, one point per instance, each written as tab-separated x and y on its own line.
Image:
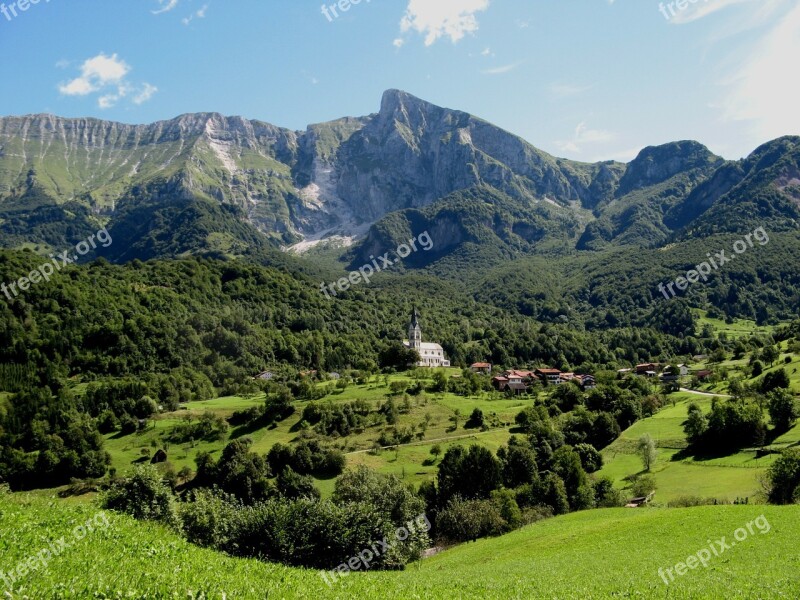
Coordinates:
414	331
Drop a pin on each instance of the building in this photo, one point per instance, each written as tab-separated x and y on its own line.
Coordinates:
648	369
481	367
430	354
500	383
552	376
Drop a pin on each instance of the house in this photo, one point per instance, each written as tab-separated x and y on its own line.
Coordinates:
481	367
669	376
430	354
265	376
552	376
517	388
646	368
704	374
500	383
333	375
587	381
566	377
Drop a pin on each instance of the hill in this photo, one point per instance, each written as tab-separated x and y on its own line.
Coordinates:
596	554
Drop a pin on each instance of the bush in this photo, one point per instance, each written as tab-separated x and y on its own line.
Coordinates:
690	501
145	496
642	486
464	520
606	495
209	518
294	486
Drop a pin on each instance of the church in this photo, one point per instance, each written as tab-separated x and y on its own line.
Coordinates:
431	355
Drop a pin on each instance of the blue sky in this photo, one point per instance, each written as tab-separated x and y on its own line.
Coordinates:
583	79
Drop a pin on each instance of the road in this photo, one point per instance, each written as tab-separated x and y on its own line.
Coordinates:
705	393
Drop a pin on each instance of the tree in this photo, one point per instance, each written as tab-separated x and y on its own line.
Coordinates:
783	409
475	420
472	473
775	380
519	463
591	459
695	426
770	354
756	368
784	477
567	465
647	451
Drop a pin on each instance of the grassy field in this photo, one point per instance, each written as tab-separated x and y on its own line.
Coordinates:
438	410
726	478
596	554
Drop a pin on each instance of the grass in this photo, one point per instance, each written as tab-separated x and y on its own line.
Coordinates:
437	409
598	554
724	478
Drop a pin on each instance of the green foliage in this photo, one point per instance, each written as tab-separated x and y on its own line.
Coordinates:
144	495
784	409
647	451
208	427
784	478
468	473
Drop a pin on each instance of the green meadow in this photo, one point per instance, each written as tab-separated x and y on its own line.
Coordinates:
598	554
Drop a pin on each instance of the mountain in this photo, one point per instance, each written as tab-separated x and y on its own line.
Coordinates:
208	184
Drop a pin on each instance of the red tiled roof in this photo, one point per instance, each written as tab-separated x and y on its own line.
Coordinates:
481	365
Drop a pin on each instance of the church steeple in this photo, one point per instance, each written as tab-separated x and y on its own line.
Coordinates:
414	330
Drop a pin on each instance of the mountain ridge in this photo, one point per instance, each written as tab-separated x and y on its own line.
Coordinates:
337	180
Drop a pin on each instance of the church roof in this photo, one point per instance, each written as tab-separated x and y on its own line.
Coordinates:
414	318
425	345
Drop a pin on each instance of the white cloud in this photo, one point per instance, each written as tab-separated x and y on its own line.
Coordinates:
165	6
96	73
145	93
441	18
500	70
764	92
106	75
198	14
583	136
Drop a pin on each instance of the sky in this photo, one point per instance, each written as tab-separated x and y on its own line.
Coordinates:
588	80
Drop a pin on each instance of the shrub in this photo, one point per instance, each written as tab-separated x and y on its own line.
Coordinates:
463	520
642	486
294	486
208	518
145	496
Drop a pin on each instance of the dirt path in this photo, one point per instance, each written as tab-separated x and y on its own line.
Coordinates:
704	393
